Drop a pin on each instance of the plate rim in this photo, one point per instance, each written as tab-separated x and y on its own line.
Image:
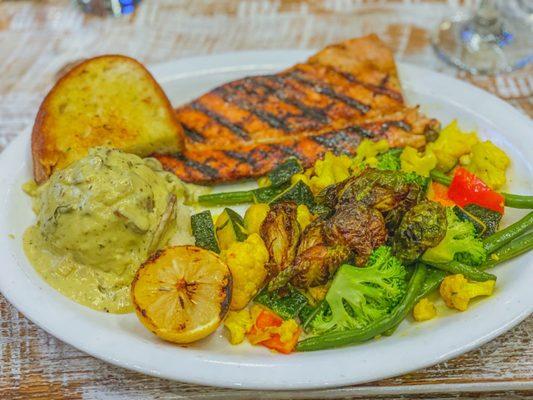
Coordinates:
160	69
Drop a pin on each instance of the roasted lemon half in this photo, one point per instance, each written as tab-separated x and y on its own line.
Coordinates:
182	293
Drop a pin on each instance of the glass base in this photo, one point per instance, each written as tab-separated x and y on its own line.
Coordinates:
461	42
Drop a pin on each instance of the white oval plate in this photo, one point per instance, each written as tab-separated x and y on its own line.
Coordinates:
121	340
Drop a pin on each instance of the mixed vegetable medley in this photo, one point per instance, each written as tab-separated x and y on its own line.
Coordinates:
342	252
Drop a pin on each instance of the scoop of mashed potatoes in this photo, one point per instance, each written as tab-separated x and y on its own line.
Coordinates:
107	213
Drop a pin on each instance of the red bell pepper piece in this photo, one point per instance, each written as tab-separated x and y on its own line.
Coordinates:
466	188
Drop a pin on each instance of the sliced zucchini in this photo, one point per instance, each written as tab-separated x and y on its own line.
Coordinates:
286	302
229	228
203	230
284	172
491	219
298	193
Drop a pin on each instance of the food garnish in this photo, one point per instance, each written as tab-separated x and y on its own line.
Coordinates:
182	293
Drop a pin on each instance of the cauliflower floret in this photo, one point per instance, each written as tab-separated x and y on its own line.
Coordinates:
246	261
457	291
488	162
238	324
368	151
331	169
254	217
424	310
421	163
451	144
303	216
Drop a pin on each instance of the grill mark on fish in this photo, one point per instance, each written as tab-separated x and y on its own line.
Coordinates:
381	89
399	124
289	151
234	128
328	91
269	118
276	86
335	141
206	170
242	157
193	134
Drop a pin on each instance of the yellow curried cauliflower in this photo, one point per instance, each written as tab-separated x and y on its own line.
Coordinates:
246	261
303	216
488	162
421	163
331	169
238	324
254	217
451	144
457	291
424	310
368	151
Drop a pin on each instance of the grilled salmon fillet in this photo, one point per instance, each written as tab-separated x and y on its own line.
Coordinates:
341	95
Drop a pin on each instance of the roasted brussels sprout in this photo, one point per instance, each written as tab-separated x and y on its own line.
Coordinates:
381	189
359	227
422	227
280	231
394	217
316	260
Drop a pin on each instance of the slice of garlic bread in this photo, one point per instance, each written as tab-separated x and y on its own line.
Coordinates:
108	101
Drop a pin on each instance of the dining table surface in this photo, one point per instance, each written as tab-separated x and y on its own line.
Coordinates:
38	39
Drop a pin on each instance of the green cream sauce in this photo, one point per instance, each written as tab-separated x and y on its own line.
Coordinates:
97	221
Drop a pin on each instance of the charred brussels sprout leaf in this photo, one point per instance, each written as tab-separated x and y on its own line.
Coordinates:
422	227
280	232
316	260
358	227
383	190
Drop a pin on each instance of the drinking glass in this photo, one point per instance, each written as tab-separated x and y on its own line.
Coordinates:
491	40
108	7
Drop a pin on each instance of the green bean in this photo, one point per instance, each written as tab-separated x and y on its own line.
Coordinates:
518	201
226	198
259	195
440	177
511	200
455	267
337	339
433	279
500	238
516	247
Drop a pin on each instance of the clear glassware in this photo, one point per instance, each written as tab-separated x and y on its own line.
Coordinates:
489	41
108	7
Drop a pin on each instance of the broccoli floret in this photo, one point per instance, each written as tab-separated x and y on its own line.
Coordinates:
359	296
390	160
413	177
460	243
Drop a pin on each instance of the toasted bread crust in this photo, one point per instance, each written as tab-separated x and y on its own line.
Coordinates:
45	152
